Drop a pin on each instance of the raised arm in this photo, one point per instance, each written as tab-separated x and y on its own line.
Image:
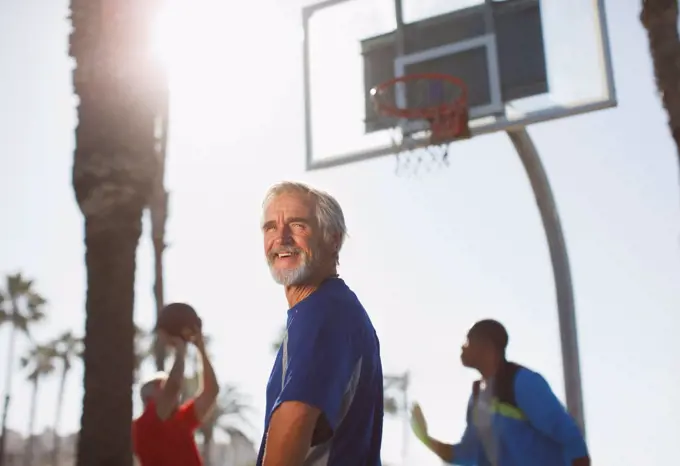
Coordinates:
167	399
546	414
322	364
463	453
207	394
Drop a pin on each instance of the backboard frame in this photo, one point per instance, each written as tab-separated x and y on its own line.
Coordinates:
495	106
502	123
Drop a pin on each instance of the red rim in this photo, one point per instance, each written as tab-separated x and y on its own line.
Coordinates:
447	109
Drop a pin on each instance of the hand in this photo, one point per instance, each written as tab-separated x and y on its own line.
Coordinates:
178	343
195	336
418	423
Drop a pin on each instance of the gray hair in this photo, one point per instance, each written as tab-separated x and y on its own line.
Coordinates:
328	214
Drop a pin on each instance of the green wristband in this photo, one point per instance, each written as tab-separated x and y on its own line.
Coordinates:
422	436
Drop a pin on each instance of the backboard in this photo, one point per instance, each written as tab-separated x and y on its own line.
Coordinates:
524	62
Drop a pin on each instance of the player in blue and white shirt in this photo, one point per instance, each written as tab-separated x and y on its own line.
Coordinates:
325	392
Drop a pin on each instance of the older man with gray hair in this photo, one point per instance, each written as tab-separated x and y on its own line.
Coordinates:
325	392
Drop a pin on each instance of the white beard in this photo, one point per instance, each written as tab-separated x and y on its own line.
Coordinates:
292	277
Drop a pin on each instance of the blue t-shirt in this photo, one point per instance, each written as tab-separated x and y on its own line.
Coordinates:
330	359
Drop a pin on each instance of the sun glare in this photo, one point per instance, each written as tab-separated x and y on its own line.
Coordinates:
188	37
215	53
210	33
173	31
161	37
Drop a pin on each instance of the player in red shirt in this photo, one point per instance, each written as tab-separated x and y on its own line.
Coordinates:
164	434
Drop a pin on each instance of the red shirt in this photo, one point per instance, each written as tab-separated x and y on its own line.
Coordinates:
166	443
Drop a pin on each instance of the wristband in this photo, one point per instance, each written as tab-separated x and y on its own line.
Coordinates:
422	436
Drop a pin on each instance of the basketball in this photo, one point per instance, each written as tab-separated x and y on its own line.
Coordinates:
176	318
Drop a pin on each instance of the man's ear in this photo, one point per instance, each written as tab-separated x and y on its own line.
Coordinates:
336	243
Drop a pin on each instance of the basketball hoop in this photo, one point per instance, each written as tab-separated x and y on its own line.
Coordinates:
430	111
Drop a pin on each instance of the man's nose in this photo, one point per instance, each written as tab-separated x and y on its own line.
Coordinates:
283	235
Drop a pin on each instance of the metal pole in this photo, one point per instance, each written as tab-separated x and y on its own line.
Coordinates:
400	39
560	261
401	383
407	420
309	159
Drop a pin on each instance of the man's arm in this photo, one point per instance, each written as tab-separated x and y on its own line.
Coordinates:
441	449
167	399
290	434
547	415
205	399
463	453
322	364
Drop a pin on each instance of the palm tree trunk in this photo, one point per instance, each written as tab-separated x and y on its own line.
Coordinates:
56	449
105	438
28	453
159	214
8	385
114	169
660	19
159	347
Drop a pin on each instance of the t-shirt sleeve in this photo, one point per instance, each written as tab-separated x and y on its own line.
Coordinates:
186	415
547	414
321	365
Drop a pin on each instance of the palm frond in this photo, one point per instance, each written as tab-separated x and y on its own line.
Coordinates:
67	347
39	360
21	306
20	322
230	413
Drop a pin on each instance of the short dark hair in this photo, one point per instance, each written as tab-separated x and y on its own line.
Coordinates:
491	331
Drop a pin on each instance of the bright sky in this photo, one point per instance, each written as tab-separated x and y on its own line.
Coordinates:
427	256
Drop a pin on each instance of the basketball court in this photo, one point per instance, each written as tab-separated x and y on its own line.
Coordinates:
411	77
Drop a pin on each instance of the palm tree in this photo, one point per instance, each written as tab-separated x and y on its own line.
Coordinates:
40	362
115	166
660	19
66	348
228	416
20	306
158	209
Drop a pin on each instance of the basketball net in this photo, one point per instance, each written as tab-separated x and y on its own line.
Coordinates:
438	115
413	159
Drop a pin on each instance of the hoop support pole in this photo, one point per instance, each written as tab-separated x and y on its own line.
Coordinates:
566	313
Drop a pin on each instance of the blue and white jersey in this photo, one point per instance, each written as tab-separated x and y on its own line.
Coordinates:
330	359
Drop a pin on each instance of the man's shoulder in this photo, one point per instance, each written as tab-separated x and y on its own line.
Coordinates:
334	305
524	374
528	381
148	413
510	378
146	422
